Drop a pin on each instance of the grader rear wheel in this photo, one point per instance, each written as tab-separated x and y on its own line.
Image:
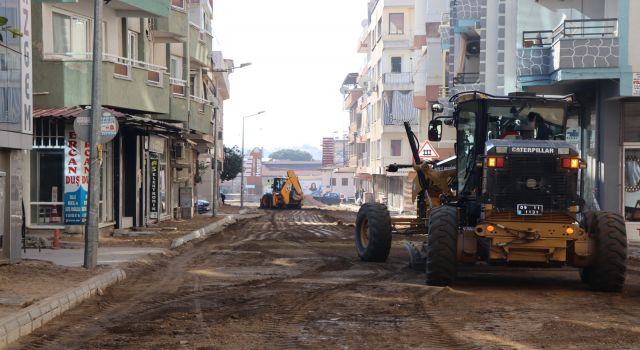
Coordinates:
373	232
609	268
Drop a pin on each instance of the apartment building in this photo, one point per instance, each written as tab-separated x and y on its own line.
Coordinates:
591	49
384	92
16	126
157	81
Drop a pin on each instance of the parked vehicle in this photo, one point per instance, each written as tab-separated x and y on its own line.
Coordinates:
330	198
202	206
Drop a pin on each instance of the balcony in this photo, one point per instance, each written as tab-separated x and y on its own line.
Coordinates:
465	13
352	99
200	46
201	115
137	8
575	49
173	28
127	84
466	78
363	43
397	81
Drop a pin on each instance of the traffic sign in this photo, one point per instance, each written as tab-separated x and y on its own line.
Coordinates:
109	126
427	151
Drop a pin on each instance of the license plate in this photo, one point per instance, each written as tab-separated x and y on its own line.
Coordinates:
529	209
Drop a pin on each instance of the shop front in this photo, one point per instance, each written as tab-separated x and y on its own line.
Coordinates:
631	157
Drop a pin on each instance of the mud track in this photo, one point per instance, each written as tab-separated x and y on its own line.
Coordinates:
291	280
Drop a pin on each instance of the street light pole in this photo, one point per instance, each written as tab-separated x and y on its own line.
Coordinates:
242	173
93	195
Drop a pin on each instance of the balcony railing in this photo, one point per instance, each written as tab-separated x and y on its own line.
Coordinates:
178	86
123	65
572	29
466	78
397	78
445	20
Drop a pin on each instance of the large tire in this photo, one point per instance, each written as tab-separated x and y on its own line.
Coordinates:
373	232
266	201
608	271
442	246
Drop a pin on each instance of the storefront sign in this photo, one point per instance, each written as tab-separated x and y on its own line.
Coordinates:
635	91
76	179
109	126
153	185
25	42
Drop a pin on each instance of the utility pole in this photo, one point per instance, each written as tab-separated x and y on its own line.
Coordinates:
93	196
214	168
242	173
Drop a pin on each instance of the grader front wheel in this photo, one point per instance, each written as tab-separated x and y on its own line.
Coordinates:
373	232
442	245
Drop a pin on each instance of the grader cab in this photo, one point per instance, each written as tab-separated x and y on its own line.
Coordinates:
515	198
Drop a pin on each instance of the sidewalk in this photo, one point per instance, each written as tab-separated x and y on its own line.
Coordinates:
49	282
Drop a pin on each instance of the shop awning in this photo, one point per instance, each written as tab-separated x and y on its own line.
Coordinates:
68	112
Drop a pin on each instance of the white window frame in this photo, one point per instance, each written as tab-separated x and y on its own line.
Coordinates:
132	35
72	16
183	8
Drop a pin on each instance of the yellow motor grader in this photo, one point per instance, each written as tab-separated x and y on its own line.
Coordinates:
514	198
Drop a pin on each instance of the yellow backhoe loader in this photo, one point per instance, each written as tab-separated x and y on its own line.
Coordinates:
286	193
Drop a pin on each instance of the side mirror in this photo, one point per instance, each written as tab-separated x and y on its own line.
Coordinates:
435	130
392	168
437	108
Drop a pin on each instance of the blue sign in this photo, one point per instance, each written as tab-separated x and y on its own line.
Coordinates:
76	179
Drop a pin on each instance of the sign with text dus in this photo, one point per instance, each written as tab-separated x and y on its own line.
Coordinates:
76	178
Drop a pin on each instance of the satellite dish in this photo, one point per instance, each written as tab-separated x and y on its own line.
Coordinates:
364	23
344	90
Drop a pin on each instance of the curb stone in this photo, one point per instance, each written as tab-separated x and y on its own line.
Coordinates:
210	229
27	320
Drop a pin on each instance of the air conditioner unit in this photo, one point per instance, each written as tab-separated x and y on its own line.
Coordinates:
473	47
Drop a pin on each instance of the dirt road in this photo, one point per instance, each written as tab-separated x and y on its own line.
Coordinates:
292	280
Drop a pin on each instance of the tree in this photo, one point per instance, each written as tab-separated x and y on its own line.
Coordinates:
232	163
3	26
291	154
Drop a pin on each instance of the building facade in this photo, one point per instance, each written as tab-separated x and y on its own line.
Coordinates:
157	81
16	125
381	100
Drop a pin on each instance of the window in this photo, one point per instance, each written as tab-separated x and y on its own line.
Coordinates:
379	30
396	148
176	67
48	133
70	34
179	4
333	181
345	181
396	64
192	85
132	45
396	23
47	187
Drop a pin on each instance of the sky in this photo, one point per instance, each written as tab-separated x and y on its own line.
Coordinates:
300	52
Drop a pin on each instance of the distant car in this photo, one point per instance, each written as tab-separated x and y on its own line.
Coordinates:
202	206
330	198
